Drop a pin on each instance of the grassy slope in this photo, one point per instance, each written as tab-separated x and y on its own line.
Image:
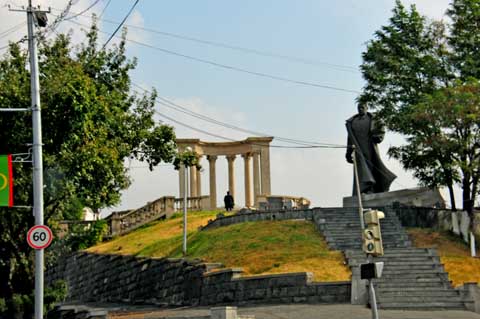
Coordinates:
454	254
259	248
159	236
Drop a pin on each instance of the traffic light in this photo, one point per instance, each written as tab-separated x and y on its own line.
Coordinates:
372	236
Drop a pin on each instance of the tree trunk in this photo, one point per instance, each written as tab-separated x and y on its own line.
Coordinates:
472	197
467	199
452	197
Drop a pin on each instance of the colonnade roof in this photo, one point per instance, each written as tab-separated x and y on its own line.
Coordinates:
249	145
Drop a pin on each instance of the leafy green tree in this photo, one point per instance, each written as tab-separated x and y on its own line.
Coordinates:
446	145
406	59
411	65
92	122
464	38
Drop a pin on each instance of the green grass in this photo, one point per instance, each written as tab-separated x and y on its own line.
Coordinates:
454	254
259	248
269	247
160	236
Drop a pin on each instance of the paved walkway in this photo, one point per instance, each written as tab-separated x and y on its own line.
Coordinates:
296	312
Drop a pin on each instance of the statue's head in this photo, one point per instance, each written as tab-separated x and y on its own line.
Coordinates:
362	108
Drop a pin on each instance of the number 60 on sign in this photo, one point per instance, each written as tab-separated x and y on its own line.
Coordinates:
39	237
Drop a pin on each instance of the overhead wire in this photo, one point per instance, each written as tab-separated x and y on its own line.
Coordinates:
177	107
243	70
233	140
339	67
84	11
234	68
104	9
303	144
120	25
11	30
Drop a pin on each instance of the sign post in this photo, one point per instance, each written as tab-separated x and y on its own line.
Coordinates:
39	237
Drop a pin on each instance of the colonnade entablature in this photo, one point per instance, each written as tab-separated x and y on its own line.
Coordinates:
254	151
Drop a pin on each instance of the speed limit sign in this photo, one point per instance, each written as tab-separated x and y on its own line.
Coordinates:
39	237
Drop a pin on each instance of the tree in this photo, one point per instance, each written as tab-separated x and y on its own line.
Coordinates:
410	67
446	146
92	122
405	60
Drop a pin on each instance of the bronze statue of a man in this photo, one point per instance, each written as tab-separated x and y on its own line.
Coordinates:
365	132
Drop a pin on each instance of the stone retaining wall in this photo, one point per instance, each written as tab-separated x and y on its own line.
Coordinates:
178	282
255	216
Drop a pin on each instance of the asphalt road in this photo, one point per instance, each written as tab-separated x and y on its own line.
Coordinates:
295	312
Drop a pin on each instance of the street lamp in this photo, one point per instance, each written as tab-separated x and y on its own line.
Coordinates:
184	248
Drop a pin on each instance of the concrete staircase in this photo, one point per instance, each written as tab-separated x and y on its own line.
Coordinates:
413	278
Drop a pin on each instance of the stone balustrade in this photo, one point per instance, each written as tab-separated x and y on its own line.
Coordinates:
122	223
197	203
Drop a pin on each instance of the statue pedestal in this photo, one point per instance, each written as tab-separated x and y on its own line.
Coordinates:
419	196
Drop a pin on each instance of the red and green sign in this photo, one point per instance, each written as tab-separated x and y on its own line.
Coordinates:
6	181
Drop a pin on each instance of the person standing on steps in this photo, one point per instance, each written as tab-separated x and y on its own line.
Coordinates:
229	202
365	132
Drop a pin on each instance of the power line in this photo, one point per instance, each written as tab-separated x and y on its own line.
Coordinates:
242	70
234	68
304	144
82	12
11	30
338	67
184	110
120	25
104	9
233	140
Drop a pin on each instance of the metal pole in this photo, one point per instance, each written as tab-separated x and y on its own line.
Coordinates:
357	184
373	299
37	159
184	250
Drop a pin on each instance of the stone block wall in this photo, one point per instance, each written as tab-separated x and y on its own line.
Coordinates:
255	216
423	217
229	287
116	278
178	282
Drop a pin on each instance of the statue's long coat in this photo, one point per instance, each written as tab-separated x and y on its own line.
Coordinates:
371	171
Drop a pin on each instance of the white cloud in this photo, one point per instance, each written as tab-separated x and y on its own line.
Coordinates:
136	19
432	8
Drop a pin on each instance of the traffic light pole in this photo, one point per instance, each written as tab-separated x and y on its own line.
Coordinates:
357	186
371	289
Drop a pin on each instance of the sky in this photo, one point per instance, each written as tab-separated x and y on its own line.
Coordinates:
314	41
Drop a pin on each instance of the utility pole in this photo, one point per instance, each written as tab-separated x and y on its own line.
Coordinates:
37	159
36	16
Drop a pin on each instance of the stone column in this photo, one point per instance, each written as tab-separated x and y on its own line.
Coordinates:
193	181
231	174
256	178
265	170
213	181
181	181
199	182
248	183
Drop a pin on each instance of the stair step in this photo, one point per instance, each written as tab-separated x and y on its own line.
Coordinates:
402	272
418	299
413	290
409	251
417	294
423	305
400	263
412	284
416	277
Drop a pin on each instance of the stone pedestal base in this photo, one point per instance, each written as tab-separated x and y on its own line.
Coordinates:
420	197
